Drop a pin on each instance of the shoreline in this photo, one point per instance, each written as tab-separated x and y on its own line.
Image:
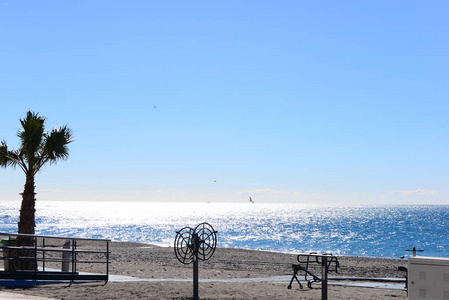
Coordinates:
155	262
259	250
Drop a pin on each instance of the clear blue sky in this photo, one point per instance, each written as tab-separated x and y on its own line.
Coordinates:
283	101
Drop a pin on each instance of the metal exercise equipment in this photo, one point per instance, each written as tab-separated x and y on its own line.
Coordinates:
194	244
326	261
414	250
405	269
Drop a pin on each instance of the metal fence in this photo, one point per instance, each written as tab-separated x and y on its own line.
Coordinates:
39	257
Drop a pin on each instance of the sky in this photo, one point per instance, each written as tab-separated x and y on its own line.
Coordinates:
342	102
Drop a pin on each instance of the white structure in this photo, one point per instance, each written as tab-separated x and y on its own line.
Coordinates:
428	278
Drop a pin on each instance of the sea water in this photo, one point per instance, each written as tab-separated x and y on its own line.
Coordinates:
374	231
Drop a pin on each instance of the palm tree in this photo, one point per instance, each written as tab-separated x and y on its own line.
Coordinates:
37	148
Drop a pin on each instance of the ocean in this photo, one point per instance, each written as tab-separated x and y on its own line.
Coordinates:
369	231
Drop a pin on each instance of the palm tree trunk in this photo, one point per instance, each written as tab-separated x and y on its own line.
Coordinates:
27	211
26	225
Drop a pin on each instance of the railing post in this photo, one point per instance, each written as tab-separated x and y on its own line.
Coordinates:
43	255
324	271
73	259
107	259
66	257
35	256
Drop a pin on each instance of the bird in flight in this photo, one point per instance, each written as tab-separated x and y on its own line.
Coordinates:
251	200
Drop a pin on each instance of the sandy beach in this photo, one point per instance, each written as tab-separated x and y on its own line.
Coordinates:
153	262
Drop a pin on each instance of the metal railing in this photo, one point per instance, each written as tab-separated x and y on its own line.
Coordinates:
44	257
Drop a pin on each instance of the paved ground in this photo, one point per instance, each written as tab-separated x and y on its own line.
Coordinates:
14	296
384	283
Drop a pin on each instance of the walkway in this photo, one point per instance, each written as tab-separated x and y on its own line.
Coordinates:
14	296
380	283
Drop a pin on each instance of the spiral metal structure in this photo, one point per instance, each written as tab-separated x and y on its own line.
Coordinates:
199	242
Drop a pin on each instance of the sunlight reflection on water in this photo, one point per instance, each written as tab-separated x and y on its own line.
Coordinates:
383	231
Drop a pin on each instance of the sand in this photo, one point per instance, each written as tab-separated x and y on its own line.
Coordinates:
153	262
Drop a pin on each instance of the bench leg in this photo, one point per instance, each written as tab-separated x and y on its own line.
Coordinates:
294	278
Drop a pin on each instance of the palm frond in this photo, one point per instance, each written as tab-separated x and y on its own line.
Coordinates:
37	146
56	144
32	134
10	157
4	158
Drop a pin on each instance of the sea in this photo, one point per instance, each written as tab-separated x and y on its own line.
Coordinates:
348	230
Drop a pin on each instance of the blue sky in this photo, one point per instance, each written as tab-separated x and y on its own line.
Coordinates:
283	101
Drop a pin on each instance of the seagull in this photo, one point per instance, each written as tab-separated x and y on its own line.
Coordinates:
251	200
